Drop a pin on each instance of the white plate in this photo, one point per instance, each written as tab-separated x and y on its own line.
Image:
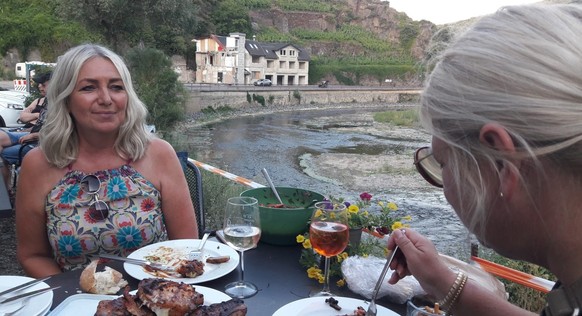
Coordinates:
316	306
211	249
36	305
86	304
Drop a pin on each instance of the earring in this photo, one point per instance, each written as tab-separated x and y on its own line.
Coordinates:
501	194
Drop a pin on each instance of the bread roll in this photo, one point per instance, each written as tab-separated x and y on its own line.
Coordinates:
109	281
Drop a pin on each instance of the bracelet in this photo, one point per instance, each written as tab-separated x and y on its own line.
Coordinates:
454	292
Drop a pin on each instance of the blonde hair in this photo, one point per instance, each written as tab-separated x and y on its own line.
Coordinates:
521	68
59	139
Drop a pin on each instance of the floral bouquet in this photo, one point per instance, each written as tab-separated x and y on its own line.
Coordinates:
375	218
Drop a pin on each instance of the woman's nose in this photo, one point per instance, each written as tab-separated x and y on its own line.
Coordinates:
104	96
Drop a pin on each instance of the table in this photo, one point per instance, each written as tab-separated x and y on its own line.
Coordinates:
274	269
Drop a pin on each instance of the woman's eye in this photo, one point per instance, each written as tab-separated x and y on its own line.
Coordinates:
118	87
87	88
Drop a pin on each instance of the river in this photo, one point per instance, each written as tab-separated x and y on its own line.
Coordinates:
337	152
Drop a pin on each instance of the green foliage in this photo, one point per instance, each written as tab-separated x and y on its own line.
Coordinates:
406	118
305	5
217	190
297	95
259	99
249	98
231	16
165	24
520	295
157	85
350	74
256	4
408	33
33	25
271	99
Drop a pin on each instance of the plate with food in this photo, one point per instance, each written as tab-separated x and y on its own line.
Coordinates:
157	295
216	261
330	306
35	305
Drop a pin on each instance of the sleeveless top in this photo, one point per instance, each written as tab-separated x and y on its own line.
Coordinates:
39	108
134	220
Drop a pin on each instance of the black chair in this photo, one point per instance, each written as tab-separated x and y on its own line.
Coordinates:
194	179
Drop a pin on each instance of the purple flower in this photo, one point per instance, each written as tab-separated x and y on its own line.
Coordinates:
366	196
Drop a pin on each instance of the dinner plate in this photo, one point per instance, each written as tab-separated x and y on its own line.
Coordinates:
316	306
211	249
35	306
86	304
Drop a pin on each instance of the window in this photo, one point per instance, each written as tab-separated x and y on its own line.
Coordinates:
282	52
291	52
291	65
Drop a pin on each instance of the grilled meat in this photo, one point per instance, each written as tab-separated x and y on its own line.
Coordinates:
134	306
175	298
233	307
114	307
190	268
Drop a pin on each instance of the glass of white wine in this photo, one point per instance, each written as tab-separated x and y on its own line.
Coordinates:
242	231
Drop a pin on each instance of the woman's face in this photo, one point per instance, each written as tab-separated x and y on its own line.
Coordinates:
99	100
42	87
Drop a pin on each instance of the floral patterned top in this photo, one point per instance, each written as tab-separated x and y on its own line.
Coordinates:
134	219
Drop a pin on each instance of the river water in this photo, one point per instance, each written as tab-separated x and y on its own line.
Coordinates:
337	152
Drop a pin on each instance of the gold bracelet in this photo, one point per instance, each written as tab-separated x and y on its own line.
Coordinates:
454	293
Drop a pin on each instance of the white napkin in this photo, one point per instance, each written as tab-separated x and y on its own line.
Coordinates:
361	274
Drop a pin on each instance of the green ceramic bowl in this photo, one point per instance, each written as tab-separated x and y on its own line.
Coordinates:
280	226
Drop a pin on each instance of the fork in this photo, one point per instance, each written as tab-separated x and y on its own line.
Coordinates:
196	254
372	310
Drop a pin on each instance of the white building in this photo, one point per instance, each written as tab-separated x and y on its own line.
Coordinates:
234	60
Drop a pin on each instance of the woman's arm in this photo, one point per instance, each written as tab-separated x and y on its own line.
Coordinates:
33	249
421	259
163	165
26	115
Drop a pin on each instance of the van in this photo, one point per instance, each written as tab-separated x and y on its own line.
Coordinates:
20	68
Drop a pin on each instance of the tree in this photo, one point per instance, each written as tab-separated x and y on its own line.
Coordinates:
157	86
165	24
231	16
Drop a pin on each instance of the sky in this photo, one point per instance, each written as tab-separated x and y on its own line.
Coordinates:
447	11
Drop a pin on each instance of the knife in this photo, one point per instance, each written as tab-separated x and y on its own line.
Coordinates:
28	294
23	286
139	262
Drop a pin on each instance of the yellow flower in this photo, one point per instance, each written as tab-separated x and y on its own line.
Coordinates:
381	204
342	256
365	213
307	244
341	282
300	239
407	218
354	209
320	279
397	225
392	206
332	215
318	213
313	272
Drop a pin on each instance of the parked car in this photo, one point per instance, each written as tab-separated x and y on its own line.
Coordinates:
323	84
11	104
263	82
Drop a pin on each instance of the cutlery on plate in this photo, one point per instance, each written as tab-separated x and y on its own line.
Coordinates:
24	285
372	310
197	253
139	262
28	294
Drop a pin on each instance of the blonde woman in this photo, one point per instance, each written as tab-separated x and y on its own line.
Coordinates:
102	183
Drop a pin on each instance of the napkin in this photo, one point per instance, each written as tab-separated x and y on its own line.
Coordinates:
361	275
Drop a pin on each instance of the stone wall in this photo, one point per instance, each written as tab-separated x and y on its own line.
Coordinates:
199	100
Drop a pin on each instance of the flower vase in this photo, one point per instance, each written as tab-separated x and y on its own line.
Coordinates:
355	237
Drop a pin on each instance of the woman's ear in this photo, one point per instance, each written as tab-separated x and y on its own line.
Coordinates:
496	137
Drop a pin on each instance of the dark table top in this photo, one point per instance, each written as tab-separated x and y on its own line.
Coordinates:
274	269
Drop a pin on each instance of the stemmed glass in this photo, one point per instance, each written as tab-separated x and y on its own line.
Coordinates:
329	235
242	232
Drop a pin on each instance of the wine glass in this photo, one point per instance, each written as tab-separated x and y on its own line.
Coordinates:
329	235
242	232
